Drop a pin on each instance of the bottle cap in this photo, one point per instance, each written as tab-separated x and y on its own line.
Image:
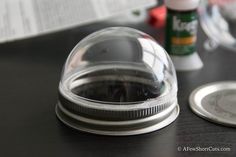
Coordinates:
182	5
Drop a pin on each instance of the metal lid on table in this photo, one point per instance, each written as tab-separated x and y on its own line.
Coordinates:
215	102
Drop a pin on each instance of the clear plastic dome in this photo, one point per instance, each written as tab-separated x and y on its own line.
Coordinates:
118	74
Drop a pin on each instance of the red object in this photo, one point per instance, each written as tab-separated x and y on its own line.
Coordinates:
158	16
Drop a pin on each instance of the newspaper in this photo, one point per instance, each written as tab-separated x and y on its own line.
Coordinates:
26	18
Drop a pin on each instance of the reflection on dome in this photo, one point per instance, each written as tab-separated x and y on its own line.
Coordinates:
121	72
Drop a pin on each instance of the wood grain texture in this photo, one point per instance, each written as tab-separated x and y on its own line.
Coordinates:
30	72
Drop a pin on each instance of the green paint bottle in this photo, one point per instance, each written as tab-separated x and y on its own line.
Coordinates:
181	33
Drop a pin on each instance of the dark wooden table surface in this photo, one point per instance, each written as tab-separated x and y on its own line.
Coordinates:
30	72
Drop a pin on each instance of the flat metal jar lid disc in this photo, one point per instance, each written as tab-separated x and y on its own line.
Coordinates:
215	102
118	128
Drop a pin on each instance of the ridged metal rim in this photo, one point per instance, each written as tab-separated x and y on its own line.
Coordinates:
118	128
110	118
146	109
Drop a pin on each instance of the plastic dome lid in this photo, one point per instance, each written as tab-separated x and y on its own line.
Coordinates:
118	81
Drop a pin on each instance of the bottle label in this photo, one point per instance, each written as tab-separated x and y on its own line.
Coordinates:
181	32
